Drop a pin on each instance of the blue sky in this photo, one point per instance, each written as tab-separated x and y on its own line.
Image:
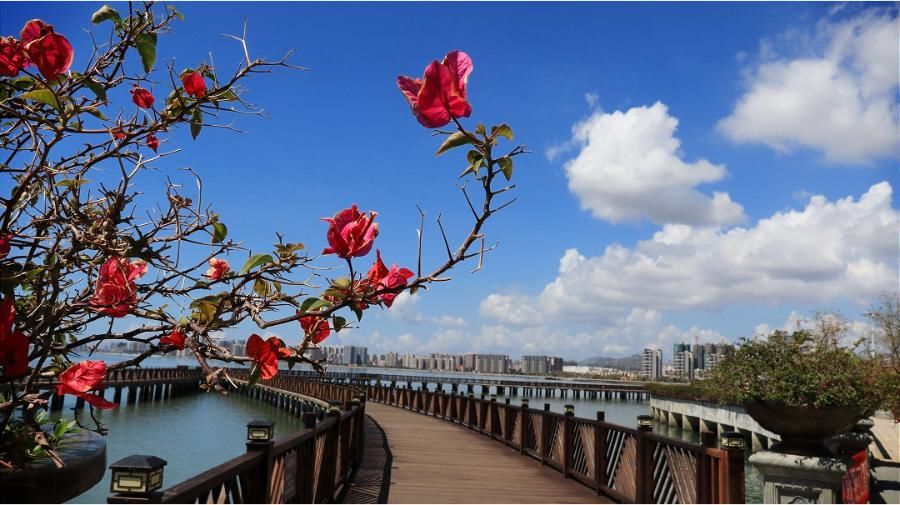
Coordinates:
706	170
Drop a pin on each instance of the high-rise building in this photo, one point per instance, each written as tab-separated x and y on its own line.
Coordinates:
651	364
354	355
684	365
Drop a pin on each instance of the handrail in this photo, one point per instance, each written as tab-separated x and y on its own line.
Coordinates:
312	465
627	464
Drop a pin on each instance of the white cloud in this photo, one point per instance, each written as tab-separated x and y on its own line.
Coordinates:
405	307
630	166
840	99
829	250
512	309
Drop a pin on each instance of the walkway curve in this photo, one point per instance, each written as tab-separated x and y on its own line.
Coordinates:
435	461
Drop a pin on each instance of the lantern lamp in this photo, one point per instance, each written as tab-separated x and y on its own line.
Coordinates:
645	422
569	410
260	431
137	475
731	440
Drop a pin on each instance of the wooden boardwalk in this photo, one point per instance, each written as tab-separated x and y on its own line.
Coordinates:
435	461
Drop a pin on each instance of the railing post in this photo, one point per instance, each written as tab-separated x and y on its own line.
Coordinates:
306	463
600	477
704	470
260	490
731	473
568	439
543	445
644	463
523	425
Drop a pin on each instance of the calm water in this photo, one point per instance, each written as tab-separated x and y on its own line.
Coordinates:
196	432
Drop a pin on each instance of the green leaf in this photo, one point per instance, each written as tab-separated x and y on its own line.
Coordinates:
358	311
72	183
262	287
304	307
145	44
318	305
506	164
454	140
479	129
338	322
97	113
106	13
255	261
226	95
502	130
342	283
97	88
254	375
220	231
196	122
176	12
183	321
44	96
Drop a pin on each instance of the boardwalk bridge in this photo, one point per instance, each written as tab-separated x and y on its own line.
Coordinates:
368	440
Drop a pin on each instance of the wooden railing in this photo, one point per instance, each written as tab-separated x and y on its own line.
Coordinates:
312	465
629	465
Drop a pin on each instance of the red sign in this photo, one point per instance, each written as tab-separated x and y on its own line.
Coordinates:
855	487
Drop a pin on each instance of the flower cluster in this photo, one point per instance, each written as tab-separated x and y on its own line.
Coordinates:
79	380
116	292
39	45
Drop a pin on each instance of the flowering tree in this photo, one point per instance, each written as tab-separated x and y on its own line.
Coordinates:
78	250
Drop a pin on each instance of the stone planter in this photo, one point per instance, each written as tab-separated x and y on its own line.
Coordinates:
803	430
84	454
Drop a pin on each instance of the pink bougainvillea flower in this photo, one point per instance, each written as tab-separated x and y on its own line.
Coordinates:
441	94
4	244
351	233
315	327
50	52
13	344
152	142
80	379
194	84
265	354
217	269
175	338
142	97
380	277
13	57
116	293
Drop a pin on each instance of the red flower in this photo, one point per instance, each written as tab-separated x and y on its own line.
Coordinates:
317	327
217	269
49	51
265	354
142	97
4	244
117	133
176	338
351	233
79	380
13	345
381	278
116	293
12	57
441	94
194	84
152	142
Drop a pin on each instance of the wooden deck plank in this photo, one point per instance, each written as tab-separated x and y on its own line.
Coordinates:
436	461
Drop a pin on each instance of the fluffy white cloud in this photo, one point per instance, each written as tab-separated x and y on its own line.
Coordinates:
630	167
405	307
840	100
829	250
512	309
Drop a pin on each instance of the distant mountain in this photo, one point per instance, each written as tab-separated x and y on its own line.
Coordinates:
628	363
